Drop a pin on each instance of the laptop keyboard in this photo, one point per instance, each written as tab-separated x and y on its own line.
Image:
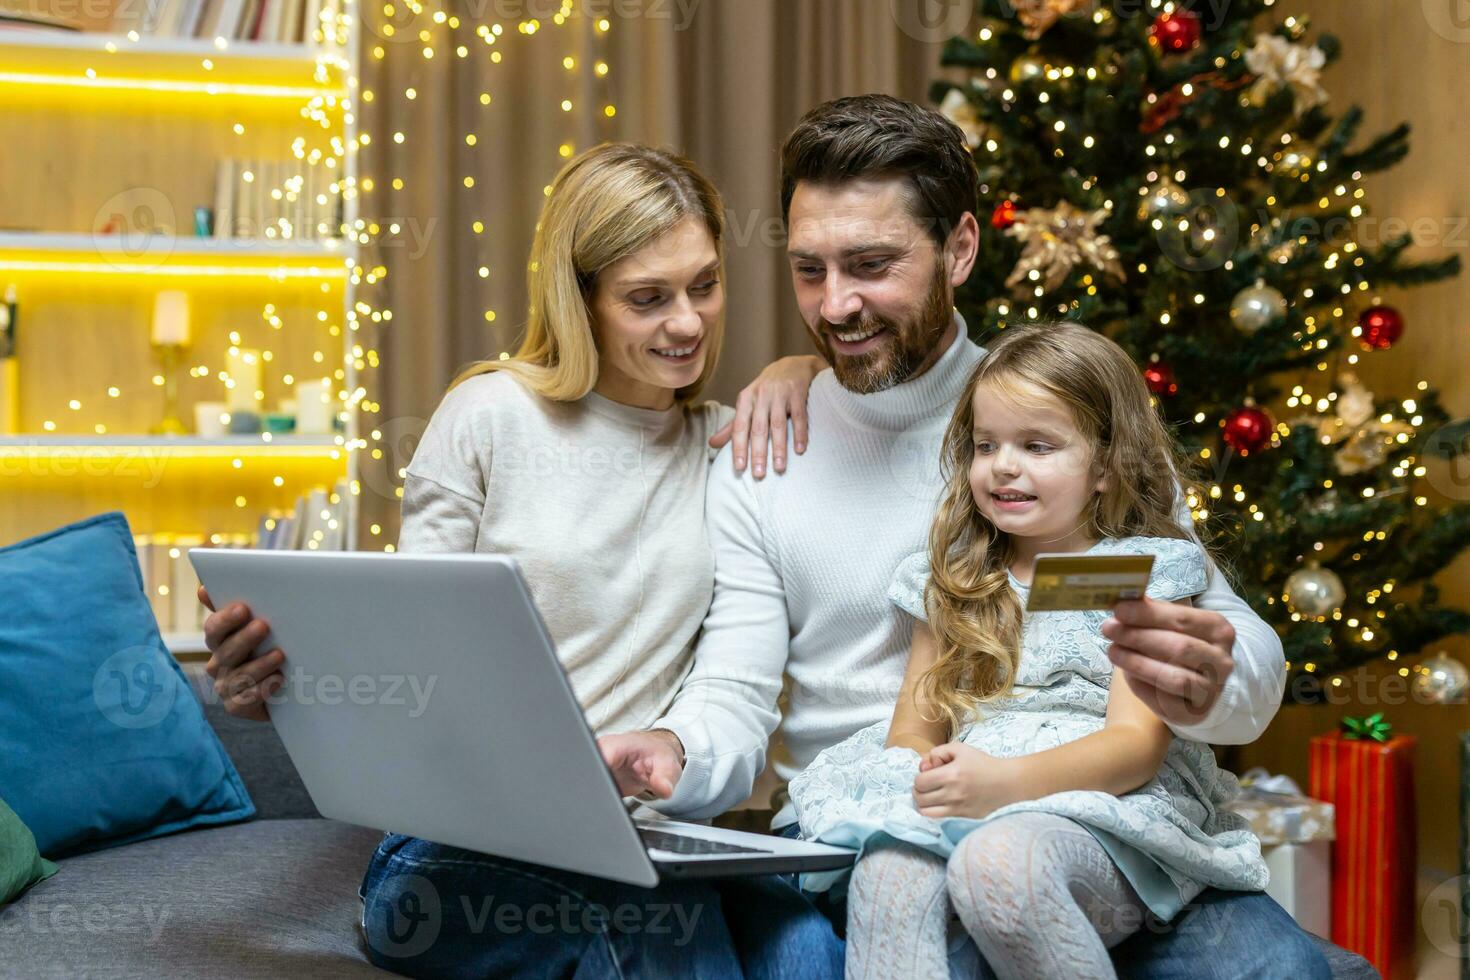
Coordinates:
680	844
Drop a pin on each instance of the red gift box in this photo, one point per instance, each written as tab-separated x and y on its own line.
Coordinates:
1374	857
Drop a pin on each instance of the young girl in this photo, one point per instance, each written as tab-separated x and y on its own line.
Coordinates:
1016	783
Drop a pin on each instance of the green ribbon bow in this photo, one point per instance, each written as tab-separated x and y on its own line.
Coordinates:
1373	727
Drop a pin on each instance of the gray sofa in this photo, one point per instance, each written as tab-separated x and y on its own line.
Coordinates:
273	897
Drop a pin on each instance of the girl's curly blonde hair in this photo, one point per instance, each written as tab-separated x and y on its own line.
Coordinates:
973	612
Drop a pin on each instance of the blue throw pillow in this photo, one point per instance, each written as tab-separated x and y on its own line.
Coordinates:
102	741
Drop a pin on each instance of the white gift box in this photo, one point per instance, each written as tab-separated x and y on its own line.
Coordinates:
1301	882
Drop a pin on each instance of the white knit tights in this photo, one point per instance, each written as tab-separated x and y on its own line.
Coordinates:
1038	894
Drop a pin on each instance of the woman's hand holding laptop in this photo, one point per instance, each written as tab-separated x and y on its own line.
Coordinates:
243	685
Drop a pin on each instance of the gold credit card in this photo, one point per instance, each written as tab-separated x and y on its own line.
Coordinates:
1087	581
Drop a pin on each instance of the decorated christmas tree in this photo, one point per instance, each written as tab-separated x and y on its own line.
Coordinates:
1173	179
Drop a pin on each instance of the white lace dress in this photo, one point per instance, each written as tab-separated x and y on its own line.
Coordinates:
1170	837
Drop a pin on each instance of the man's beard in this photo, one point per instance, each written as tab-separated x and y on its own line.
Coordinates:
909	344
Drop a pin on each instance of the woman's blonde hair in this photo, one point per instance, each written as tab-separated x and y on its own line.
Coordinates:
605	204
973	612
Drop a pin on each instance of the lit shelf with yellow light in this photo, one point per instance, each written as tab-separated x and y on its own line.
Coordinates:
277	445
169	255
59	61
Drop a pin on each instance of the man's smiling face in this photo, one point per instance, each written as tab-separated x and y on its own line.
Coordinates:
874	288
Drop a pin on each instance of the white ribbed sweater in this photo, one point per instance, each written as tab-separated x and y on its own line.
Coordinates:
802	568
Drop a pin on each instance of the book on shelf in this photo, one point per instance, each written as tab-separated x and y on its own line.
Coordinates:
224	197
169	579
317	522
171	584
271	21
188	611
250	208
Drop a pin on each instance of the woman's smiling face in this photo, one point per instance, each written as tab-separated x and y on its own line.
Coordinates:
652	315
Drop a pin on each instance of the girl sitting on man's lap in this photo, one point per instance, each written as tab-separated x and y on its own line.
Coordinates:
1016	783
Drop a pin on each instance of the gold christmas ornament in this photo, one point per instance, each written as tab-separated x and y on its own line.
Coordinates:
1364	438
958	109
1164	199
1026	68
1293	164
1278	64
1056	241
1038	16
1315	592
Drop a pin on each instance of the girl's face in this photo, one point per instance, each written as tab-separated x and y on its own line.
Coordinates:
1032	474
653	314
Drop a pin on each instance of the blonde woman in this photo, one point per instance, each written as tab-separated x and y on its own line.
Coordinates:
584	457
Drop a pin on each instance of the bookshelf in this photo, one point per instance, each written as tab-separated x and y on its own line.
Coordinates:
109	143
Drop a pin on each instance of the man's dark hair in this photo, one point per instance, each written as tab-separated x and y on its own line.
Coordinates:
875	136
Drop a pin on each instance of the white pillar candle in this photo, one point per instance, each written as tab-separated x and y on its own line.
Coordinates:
315	406
209	418
171	318
243	365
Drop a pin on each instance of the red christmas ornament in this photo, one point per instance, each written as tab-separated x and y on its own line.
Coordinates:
1003	216
1176	32
1381	327
1248	429
1160	379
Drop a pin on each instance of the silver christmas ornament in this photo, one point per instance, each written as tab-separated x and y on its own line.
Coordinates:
1441	679
1314	592
1256	307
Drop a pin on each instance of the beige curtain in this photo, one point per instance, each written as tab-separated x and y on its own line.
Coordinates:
722	81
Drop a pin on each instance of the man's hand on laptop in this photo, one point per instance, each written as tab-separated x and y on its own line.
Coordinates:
242	684
644	764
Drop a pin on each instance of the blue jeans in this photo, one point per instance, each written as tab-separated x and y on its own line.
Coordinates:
430	910
1225	935
436	911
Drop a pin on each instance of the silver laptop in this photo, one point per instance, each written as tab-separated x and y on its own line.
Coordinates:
423	695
